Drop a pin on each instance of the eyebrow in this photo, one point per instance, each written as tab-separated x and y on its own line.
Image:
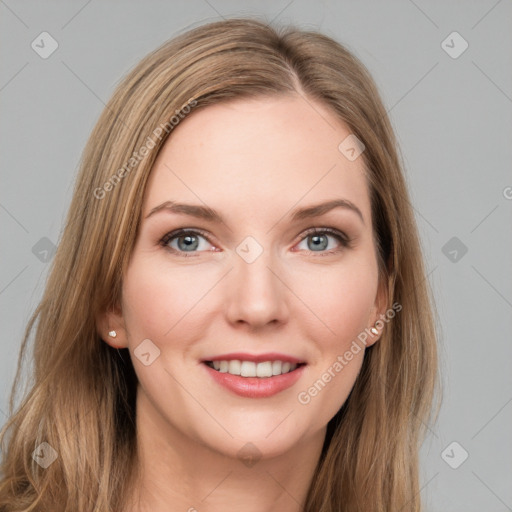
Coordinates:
208	214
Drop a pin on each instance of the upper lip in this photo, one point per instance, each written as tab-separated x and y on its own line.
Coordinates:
257	358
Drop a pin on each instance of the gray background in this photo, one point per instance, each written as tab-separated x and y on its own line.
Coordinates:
453	119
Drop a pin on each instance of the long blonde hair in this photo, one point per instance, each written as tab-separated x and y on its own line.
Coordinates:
81	399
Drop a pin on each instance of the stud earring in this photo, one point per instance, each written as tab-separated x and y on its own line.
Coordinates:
374	331
112	334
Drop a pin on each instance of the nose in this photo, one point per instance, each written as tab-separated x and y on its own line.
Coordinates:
256	295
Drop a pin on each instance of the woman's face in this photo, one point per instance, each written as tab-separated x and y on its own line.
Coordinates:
257	286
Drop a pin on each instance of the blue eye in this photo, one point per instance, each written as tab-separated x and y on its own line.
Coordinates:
188	242
317	240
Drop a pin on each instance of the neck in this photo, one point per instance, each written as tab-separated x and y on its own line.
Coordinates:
177	473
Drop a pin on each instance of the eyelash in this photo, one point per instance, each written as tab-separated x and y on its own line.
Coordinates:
343	239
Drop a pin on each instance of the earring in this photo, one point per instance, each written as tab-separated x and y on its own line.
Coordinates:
374	331
112	334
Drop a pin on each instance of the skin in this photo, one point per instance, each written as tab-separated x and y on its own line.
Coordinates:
253	161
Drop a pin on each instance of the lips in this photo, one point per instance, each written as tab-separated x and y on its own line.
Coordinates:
257	358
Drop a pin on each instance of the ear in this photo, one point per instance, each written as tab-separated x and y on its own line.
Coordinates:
111	328
378	317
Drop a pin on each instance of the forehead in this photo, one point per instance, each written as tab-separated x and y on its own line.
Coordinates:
260	155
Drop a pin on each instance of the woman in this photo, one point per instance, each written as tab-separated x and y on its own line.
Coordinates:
237	313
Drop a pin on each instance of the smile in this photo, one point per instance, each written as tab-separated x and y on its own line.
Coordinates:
264	369
254	376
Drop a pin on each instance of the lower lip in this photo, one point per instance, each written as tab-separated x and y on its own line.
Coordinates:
256	387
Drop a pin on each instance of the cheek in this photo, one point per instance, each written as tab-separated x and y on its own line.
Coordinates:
159	302
342	301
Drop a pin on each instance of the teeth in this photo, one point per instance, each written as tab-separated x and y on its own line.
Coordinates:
252	369
234	367
248	369
264	369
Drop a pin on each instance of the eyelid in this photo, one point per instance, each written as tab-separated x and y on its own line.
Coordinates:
331	231
183	231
